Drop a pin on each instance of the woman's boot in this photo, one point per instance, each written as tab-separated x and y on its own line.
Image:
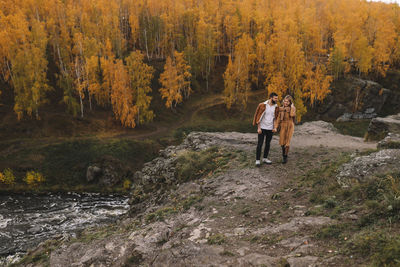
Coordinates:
284	157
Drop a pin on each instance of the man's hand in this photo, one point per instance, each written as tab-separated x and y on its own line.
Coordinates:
259	131
274	130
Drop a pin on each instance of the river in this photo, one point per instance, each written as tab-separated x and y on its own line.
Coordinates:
27	219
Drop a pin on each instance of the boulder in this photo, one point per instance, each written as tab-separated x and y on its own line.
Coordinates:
92	173
363	168
107	171
368	114
340	106
380	127
390	141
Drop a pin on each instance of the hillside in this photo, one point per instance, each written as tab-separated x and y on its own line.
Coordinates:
203	202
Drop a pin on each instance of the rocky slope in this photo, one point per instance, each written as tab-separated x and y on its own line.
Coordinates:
203	203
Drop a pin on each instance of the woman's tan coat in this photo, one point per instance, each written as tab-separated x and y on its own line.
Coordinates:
284	118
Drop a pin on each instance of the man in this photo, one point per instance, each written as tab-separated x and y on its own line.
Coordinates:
264	119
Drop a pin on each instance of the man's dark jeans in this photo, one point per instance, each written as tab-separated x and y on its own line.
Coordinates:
268	137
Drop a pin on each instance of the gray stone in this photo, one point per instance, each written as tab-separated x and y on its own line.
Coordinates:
363	168
92	173
344	117
367	114
369	111
372	97
390	141
307	261
107	171
239	231
380	127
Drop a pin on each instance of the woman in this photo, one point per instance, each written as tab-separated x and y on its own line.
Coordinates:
284	118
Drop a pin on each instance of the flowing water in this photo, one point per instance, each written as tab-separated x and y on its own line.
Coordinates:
26	220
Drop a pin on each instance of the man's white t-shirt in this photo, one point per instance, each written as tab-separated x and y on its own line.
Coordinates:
267	119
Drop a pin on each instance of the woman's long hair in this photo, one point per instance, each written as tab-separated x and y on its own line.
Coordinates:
288	97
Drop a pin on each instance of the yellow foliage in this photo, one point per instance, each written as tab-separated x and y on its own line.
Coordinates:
90	42
140	75
7	177
33	178
122	96
127	184
278	85
175	80
170	85
316	85
237	76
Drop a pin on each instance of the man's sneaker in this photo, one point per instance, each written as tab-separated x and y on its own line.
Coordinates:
258	163
267	161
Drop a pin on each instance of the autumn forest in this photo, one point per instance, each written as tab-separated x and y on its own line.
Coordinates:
101	50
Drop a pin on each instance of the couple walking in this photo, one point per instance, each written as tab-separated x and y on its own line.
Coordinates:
270	118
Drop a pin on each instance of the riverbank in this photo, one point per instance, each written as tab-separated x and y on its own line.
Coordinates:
63	163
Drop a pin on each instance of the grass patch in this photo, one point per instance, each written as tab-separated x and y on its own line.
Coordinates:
176	207
190	165
331	231
227	253
381	248
391	145
64	164
373	234
354	128
95	234
323	182
40	256
135	259
193	165
271	239
161	214
216	239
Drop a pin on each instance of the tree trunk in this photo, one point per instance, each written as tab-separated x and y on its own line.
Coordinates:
81	102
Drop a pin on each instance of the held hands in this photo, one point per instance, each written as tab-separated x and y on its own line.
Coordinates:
274	130
259	130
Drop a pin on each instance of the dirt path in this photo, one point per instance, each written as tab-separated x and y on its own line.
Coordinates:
243	216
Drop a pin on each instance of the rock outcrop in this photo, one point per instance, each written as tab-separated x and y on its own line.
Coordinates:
371	99
369	113
380	127
361	169
390	141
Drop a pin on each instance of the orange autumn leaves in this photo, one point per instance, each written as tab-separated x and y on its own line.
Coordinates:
93	53
129	91
175	80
